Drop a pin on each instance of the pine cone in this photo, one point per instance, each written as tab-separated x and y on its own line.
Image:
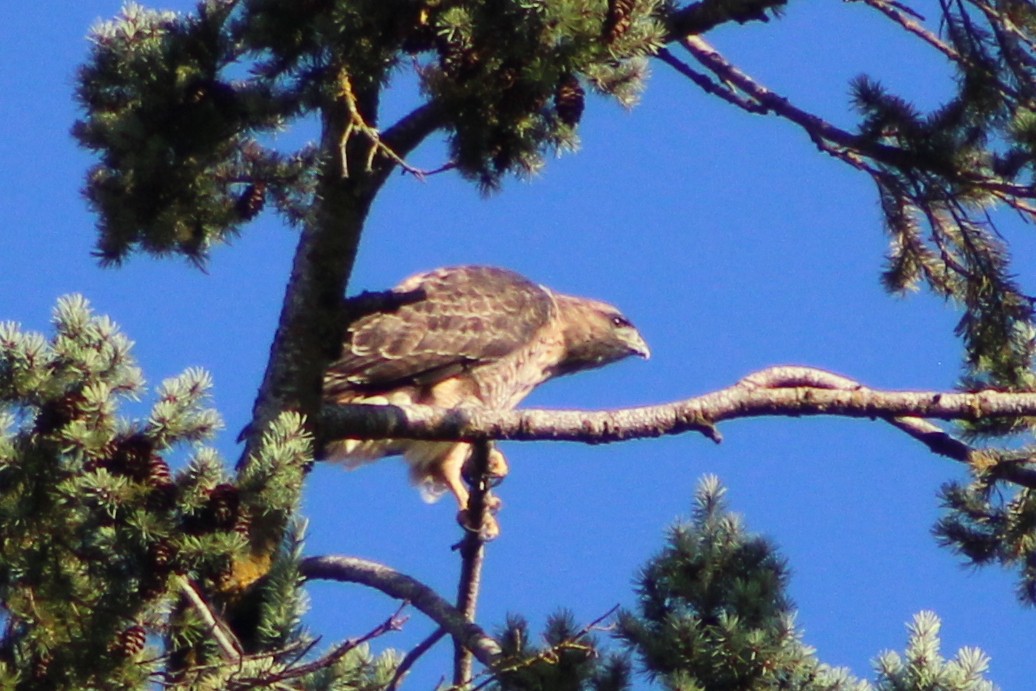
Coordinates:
459	62
152	584
163	488
251	201
160	556
159	475
129	642
222	510
132	457
618	19
41	665
243	526
569	100
55	414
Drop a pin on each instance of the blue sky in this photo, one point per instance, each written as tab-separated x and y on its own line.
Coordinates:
725	237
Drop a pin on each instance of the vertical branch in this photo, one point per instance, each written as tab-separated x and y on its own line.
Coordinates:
472	552
309	327
309	331
311	321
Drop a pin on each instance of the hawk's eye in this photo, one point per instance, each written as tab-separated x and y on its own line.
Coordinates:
620	320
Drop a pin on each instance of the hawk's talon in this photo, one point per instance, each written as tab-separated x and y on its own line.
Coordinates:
496	469
489	530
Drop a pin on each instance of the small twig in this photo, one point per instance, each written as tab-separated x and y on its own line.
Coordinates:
393	623
229	648
908	20
412	657
357	123
551	653
829	138
709	86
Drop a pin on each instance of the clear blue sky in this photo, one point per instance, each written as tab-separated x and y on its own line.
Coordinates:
729	241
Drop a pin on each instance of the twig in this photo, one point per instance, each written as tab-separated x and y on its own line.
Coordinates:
709	86
393	623
907	18
831	139
229	648
551	653
403	587
358	124
412	657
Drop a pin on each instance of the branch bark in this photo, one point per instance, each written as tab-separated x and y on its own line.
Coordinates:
778	391
740	89
312	317
472	551
699	17
403	587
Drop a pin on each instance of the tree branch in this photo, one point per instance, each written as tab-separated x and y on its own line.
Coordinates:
778	391
310	328
738	88
403	587
412	657
229	648
472	552
699	17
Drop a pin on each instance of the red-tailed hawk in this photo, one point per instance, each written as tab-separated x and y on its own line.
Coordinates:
467	336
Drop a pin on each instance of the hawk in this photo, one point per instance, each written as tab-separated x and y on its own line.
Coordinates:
467	336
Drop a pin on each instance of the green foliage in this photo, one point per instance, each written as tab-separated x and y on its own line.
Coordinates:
923	667
99	539
507	74
180	165
713	614
90	529
178	107
568	660
988	521
940	173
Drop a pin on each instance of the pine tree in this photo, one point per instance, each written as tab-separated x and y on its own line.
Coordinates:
713	612
117	571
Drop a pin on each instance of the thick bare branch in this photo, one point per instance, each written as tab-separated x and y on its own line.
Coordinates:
403	587
699	17
778	391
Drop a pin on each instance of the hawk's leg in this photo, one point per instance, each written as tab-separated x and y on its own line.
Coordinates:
451	471
496	467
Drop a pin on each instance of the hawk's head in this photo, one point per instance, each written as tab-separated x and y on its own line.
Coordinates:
596	334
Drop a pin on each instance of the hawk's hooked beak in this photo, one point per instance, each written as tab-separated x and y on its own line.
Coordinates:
637	345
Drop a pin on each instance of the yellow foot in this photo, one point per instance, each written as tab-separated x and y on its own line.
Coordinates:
496	468
489	530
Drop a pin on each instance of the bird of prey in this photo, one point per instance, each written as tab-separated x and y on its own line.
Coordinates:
466	336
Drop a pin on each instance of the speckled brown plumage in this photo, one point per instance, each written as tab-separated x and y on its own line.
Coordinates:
467	336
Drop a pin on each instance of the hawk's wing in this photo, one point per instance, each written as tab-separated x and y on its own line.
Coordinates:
466	316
